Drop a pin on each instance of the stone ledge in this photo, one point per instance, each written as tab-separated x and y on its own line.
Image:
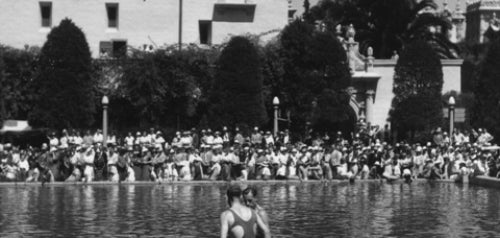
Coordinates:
485	181
204	182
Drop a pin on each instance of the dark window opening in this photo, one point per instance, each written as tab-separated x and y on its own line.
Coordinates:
205	32
291	14
119	49
46	12
113	49
112	11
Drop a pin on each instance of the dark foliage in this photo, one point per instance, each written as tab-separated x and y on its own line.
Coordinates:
315	71
64	86
387	25
236	96
418	83
165	88
17	70
487	92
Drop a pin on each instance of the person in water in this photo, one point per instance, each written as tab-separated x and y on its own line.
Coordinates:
240	221
250	195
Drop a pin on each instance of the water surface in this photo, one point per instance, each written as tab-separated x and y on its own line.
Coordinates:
295	210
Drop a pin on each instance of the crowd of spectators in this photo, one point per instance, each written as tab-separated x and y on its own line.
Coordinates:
233	155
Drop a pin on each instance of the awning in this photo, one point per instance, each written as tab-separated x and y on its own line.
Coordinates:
15	126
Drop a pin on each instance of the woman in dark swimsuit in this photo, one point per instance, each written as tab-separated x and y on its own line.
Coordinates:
240	221
250	194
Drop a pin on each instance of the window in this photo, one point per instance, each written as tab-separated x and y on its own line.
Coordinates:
113	49
112	12
46	13
119	49
291	14
205	32
105	49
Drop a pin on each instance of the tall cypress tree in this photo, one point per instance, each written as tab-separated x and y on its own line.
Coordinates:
486	112
64	87
418	82
3	110
316	74
236	95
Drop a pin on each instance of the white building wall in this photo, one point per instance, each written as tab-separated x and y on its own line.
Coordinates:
384	95
140	21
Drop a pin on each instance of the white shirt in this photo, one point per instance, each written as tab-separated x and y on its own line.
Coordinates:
210	140
111	140
269	140
64	142
77	140
218	140
145	139
283	158
129	140
186	140
23	164
98	138
159	141
54	142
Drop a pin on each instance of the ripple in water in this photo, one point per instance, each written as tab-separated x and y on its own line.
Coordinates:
295	210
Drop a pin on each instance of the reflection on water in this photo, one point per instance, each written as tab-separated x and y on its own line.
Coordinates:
307	210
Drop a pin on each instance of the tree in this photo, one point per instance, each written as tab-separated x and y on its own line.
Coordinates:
316	74
387	25
64	86
418	82
486	111
236	96
3	90
17	70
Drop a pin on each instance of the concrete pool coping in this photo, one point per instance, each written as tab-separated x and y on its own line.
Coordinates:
203	182
485	181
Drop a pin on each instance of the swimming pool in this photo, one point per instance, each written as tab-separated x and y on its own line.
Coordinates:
296	210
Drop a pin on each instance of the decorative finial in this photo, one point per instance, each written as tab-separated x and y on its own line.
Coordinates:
395	55
369	52
351	32
338	29
459	7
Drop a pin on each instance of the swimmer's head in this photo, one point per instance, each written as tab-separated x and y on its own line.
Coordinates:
249	195
234	192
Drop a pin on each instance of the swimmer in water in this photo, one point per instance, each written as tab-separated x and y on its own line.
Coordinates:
240	221
250	194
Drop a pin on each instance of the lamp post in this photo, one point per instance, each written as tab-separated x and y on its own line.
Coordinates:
105	102
451	115
276	104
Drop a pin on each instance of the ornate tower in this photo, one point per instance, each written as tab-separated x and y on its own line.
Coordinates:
479	16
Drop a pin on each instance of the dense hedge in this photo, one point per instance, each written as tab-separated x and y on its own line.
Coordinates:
486	111
418	82
64	88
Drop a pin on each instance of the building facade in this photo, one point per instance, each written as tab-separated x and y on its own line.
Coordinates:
481	16
112	25
373	79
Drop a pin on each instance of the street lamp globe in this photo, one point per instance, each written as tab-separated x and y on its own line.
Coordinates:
105	100
276	101
451	101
